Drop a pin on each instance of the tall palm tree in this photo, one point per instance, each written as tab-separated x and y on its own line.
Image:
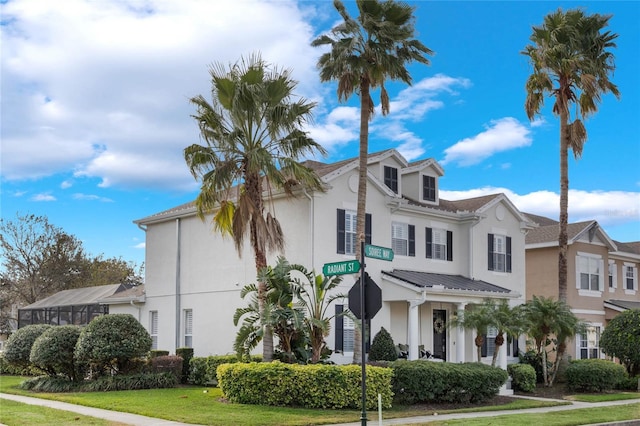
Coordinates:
479	318
254	138
364	53
508	321
571	63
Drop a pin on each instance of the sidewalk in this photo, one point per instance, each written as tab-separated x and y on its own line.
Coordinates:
114	416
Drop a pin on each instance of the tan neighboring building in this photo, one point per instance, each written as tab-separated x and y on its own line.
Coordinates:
602	276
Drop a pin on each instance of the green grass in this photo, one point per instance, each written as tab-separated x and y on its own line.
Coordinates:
602	397
18	414
200	405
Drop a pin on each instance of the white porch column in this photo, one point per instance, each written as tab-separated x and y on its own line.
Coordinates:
414	329
460	342
502	363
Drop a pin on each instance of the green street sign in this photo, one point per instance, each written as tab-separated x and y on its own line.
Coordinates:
341	268
377	252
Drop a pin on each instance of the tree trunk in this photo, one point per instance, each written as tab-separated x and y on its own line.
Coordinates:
362	192
562	347
479	341
564	203
499	341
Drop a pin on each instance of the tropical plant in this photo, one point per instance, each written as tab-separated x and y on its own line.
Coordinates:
572	63
507	321
364	53
313	296
253	137
550	322
621	339
476	317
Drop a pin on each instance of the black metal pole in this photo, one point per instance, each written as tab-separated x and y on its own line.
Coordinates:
363	416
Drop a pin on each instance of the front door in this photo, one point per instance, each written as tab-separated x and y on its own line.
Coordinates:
440	334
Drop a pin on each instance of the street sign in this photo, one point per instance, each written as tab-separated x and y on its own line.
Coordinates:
372	295
377	252
341	268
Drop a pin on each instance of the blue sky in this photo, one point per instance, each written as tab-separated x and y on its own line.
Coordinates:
95	110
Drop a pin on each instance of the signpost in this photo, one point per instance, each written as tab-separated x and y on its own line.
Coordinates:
377	252
341	268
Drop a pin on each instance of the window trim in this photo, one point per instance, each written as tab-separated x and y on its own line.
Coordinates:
591	257
411	238
613	276
491	252
153	328
391	182
188	328
341	231
579	339
627	266
428	189
448	251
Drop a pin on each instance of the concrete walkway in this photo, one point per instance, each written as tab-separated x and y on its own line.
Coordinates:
138	420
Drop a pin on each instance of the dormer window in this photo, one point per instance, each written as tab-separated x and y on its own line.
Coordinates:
391	178
428	188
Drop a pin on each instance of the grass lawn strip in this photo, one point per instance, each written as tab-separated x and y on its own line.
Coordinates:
19	414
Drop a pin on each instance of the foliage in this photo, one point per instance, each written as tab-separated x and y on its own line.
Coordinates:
102	384
111	343
629	384
255	137
309	386
621	339
534	359
18	347
382	347
168	364
157	352
186	354
571	62
203	370
53	352
425	381
524	377
551	324
594	375
476	317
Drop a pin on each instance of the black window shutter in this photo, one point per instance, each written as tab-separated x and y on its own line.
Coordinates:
484	345
340	237
449	246
412	240
490	252
516	349
367	228
339	329
508	254
429	233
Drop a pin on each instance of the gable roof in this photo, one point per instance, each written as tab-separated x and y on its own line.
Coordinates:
547	236
630	247
448	282
78	296
621	305
541	220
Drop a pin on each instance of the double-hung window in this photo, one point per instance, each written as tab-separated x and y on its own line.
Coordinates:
346	227
613	279
403	240
589	343
391	178
439	244
499	253
345	331
428	188
589	272
188	328
153	328
630	278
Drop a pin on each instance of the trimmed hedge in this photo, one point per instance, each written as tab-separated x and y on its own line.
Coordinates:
309	386
524	377
168	364
103	384
425	381
382	347
53	351
18	348
594	375
186	354
202	370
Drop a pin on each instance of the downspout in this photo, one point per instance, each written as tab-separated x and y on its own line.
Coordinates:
473	224
177	283
137	307
311	225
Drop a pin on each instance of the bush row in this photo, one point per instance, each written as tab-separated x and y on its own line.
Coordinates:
102	384
311	386
594	375
425	381
202	370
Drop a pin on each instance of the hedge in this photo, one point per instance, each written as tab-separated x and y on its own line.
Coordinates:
524	377
18	348
53	352
202	370
102	384
594	375
309	386
426	381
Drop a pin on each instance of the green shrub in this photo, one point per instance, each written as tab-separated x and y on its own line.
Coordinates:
18	347
382	347
49	384
202	370
103	384
186	354
621	339
16	370
112	343
53	352
629	384
309	386
594	375
157	352
524	377
425	381
168	364
534	359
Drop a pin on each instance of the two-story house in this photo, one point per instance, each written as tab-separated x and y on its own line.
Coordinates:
448	255
602	276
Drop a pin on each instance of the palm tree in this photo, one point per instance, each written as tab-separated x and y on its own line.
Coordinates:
550	322
253	137
506	320
479	318
571	62
364	53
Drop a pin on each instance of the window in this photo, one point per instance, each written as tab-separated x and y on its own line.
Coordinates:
613	279
391	178
345	331
590	273
347	231
439	244
188	328
153	328
589	343
499	253
489	342
428	188
630	278
403	239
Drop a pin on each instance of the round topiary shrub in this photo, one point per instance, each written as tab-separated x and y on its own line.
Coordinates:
382	347
18	348
53	352
112	343
594	375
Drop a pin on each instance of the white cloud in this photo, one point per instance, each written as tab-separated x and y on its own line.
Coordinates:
43	197
91	197
66	184
500	135
140	246
609	208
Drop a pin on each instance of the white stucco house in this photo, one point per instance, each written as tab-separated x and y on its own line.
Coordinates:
448	255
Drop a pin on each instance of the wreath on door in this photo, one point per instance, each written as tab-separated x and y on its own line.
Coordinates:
438	325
